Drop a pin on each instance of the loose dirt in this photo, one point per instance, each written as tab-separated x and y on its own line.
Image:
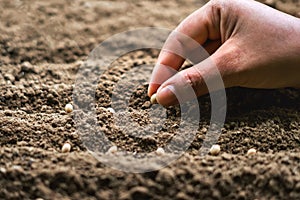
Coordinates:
43	44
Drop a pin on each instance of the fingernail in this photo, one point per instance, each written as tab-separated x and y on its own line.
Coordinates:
152	88
166	97
148	91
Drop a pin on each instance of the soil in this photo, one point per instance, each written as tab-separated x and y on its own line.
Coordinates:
43	45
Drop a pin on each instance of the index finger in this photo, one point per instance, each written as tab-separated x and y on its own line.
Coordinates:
182	43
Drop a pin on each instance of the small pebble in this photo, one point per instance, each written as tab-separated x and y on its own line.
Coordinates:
66	148
69	108
270	2
17	168
175	126
204	130
22	143
153	99
215	149
112	149
111	110
251	151
160	151
247	140
27	67
79	63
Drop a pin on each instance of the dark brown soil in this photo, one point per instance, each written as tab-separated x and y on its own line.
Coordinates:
43	44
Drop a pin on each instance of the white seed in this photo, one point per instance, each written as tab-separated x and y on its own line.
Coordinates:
160	151
251	151
215	149
66	148
68	108
111	110
153	99
3	170
112	149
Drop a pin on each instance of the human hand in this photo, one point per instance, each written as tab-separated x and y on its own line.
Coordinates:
251	44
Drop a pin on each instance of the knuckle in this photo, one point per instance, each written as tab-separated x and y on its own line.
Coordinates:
219	3
180	44
188	79
192	78
218	6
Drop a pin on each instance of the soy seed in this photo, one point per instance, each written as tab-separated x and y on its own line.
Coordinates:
251	151
153	99
215	149
112	149
68	108
160	151
111	110
66	148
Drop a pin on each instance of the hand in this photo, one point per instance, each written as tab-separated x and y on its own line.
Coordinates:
251	44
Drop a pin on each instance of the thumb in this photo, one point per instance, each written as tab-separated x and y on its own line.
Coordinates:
190	83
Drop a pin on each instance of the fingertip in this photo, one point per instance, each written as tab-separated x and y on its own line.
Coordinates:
152	88
149	91
166	97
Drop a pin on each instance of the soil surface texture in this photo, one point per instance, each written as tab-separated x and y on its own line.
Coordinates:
43	46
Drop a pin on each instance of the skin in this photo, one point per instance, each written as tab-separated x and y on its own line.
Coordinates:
251	44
